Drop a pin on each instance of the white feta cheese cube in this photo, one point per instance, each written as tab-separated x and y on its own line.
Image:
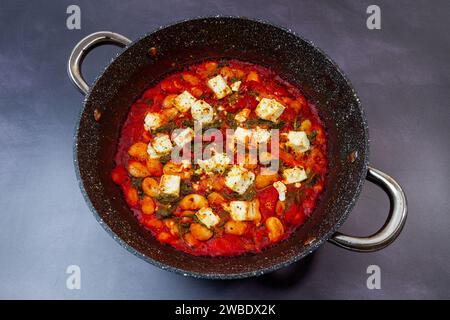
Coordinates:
298	141
281	188
184	101
217	163
242	115
244	210
186	164
183	136
242	135
151	152
207	217
170	185
261	135
236	85
294	175
269	109
219	86
162	144
202	112
152	121
239	179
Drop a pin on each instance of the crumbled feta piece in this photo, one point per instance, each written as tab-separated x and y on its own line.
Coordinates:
170	185
269	109
184	101
298	141
219	86
281	188
293	175
239	179
242	135
151	152
186	164
242	115
244	210
217	163
265	157
162	144
152	121
236	85
207	217
202	112
181	137
261	135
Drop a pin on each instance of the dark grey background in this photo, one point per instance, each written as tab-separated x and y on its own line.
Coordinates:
402	75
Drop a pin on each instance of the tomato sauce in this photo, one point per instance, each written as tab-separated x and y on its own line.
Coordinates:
198	209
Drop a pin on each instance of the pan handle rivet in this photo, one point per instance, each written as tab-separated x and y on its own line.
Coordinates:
353	156
97	115
153	52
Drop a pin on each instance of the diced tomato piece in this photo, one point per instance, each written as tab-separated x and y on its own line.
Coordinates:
267	201
246	101
165	237
288	115
287	158
119	175
171	86
131	194
190	78
151	222
295	215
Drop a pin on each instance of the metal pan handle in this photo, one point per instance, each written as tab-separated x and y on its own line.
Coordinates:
82	49
393	225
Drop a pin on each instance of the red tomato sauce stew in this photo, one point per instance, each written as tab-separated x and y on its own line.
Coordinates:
222	206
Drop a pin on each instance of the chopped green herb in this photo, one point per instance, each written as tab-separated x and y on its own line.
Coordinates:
222	63
278	125
188	123
148	101
233	98
185	188
234	79
281	165
312	136
253	93
216	125
167	199
246	196
165	158
251	123
231	121
295	197
166	128
193	217
183	228
224	217
312	180
226	170
136	182
195	177
164	213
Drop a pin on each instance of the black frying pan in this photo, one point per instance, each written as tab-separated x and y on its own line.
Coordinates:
300	62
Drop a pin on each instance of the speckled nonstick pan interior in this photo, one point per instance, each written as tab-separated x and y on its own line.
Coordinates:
190	41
